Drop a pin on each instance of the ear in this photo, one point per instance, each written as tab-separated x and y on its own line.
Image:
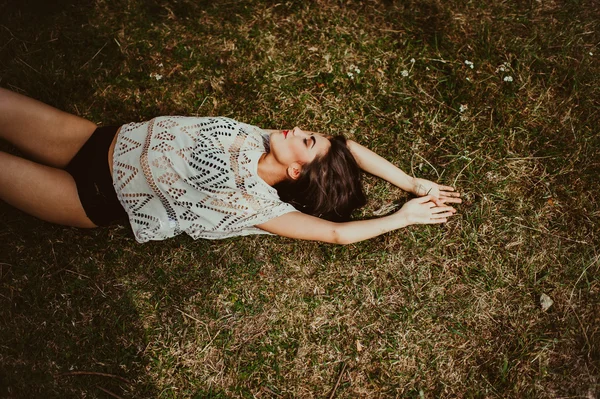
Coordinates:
293	171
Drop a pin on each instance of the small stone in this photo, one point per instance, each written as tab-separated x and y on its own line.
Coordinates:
359	346
545	302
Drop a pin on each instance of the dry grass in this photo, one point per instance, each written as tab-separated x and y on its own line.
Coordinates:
450	311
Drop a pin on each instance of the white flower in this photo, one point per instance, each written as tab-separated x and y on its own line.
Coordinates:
354	68
463	108
412	61
468	79
508	79
156	76
160	65
591	53
504	67
350	75
404	73
469	64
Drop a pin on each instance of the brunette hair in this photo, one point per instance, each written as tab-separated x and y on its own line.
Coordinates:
329	187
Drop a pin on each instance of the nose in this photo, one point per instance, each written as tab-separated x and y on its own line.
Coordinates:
298	132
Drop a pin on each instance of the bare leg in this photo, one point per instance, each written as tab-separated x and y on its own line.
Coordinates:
42	191
42	132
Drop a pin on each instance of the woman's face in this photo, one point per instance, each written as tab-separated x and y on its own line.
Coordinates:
297	146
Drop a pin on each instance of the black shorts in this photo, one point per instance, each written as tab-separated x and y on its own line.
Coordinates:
90	169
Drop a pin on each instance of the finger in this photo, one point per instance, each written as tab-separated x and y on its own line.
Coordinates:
446	188
449	194
441	209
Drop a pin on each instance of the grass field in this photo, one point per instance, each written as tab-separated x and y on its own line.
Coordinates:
499	98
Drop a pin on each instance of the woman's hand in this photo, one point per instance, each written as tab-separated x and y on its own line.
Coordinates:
444	194
425	210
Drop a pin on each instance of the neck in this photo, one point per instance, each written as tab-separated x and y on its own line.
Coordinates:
271	171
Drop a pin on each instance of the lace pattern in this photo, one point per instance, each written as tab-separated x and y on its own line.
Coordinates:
195	175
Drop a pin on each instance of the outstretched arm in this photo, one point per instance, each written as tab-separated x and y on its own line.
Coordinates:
298	225
374	164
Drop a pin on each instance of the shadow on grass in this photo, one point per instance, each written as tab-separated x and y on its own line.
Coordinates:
65	311
79	308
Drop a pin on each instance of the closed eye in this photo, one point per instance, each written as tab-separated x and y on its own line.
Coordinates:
314	141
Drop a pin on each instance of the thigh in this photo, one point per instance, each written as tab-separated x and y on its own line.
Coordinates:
42	191
44	133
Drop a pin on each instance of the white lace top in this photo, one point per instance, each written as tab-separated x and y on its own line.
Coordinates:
178	174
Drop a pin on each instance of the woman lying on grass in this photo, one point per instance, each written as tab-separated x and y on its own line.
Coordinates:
208	177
